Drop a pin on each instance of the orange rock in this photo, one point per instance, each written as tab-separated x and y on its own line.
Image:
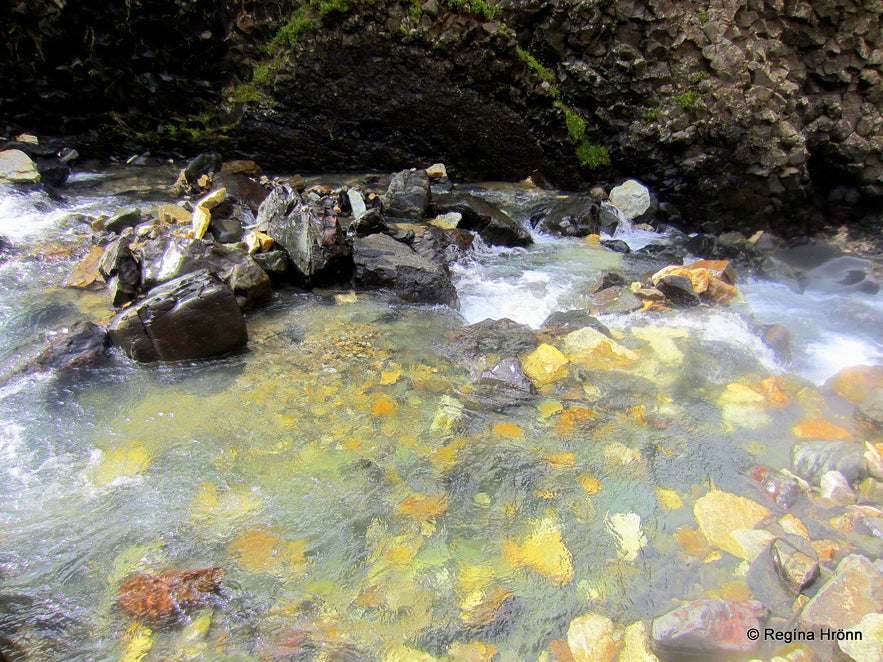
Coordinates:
163	599
508	430
86	272
721	269
570	417
857	382
384	406
424	508
819	428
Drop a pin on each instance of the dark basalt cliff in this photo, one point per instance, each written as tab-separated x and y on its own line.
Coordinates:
747	114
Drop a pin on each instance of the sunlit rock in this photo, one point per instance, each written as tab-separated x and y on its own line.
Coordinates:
120	463
17	167
261	550
661	340
834	487
870	647
626	531
592	348
818	428
543	551
719	514
593	638
631	197
544	365
812	459
792	524
857	382
636	644
856	589
796	569
668	499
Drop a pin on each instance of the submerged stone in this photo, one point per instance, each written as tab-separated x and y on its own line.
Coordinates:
720	515
812	459
593	638
544	365
856	589
165	598
795	569
708	629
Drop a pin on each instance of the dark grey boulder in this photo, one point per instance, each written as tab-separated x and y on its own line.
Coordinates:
226	230
574	216
381	261
408	196
242	190
203	164
494	226
310	235
72	346
615	245
125	217
503	336
274	263
166	258
121	270
192	317
565	321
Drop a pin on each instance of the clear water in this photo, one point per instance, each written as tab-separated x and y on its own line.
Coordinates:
358	495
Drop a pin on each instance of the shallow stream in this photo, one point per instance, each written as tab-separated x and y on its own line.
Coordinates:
362	501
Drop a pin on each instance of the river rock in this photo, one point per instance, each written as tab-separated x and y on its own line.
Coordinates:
707	629
722	517
572	320
73	346
242	189
191	317
636	644
834	487
870	409
855	589
492	225
16	167
631	197
795	569
615	245
166	598
202	166
544	365
312	238
125	217
593	638
778	339
613	301
408	196
381	261
691	284
274	263
166	258
587	346
855	383
812	459
502	336
870	647
121	270
574	216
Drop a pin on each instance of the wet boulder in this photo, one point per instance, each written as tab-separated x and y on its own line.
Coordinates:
191	317
502	336
408	196
796	569
196	175
565	321
381	261
167	258
632	198
243	190
813	459
121	271
495	227
73	346
125	217
707	629
574	216
310	234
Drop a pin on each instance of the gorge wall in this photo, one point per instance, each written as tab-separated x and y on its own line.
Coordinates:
738	115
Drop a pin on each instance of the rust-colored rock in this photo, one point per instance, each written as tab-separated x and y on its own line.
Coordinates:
162	599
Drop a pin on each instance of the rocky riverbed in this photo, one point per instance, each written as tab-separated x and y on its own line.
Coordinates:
307	442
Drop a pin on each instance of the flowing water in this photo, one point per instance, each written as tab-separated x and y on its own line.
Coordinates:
363	500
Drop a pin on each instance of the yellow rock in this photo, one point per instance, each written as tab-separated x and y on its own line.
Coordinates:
118	463
406	654
389	377
548	408
199	222
668	499
719	514
261	550
750	542
542	551
423	508
544	365
479	609
138	640
857	382
593	638
661	340
794	526
618	453
560	461
626	530
258	241
819	428
636	645
86	272
592	348
213	199
508	431
224	507
384	406
590	484
474	651
169	213
569	418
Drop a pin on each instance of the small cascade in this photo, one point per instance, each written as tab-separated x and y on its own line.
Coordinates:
624	225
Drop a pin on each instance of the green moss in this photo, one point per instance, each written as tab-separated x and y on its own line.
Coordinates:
576	125
299	23
533	64
688	99
592	155
481	7
415	11
261	74
651	115
697	78
244	93
703	16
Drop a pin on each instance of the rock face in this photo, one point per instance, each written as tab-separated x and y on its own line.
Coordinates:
312	238
381	261
728	110
191	317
